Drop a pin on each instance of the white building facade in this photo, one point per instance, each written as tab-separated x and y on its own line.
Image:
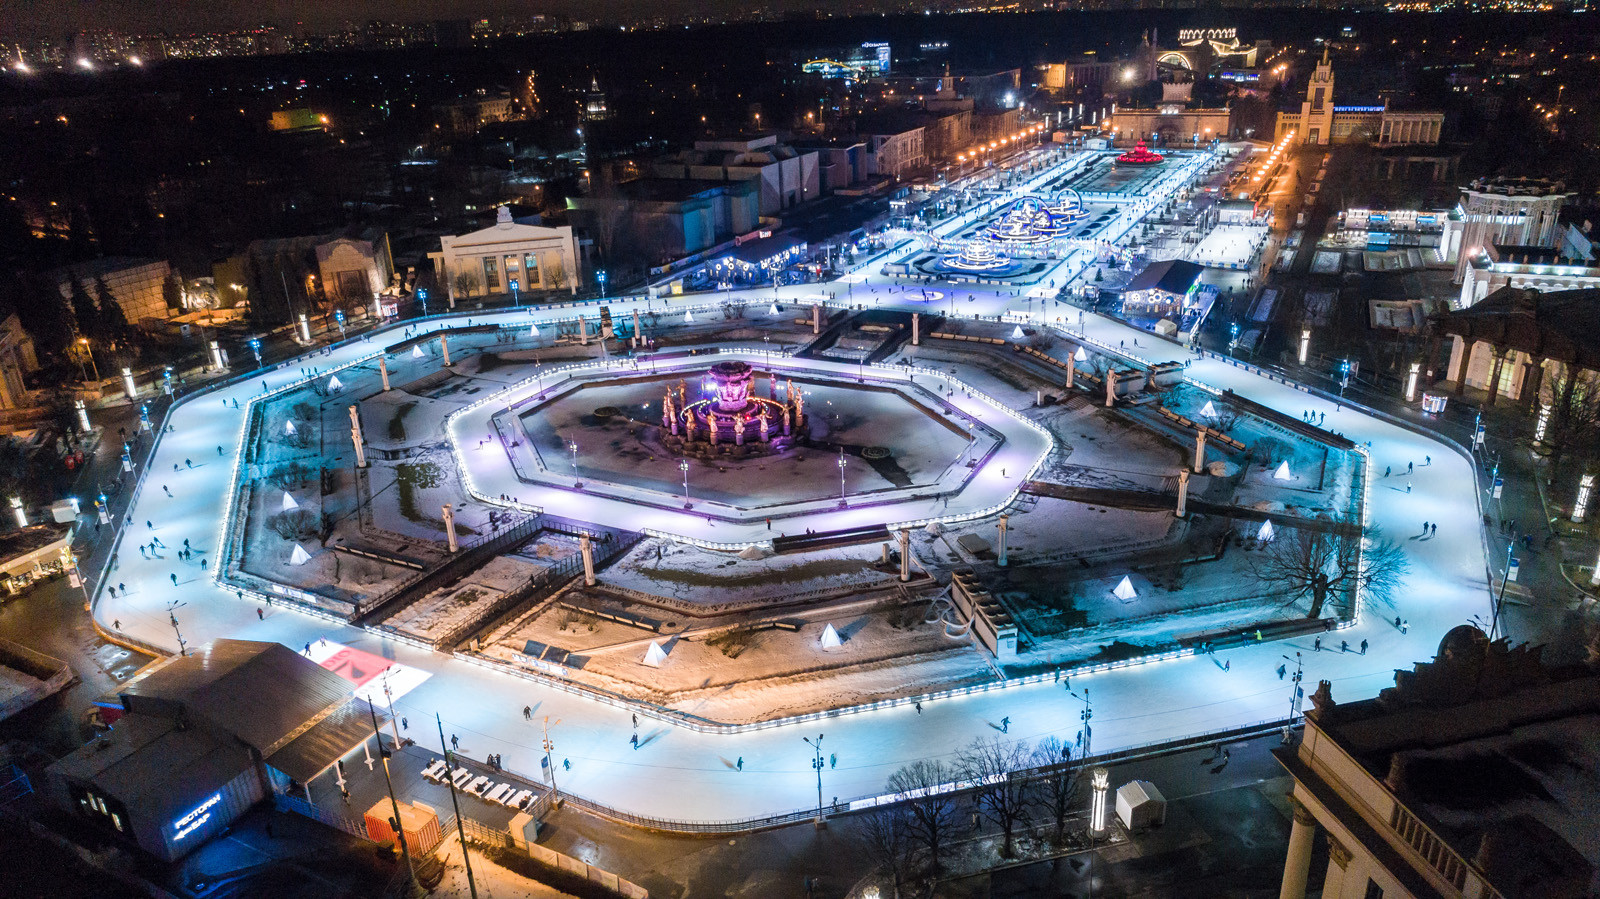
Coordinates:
1511	212
491	261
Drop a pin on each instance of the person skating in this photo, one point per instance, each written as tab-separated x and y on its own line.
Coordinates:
739	764
1363	647
1005	725
635	741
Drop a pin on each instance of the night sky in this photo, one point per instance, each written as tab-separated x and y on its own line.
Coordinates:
58	17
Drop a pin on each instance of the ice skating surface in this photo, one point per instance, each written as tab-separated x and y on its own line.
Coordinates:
685	774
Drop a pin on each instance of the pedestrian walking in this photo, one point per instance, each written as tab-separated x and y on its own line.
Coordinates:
1316	645
1410	467
260	615
455	742
1227	665
1005	725
1363	647
1344	645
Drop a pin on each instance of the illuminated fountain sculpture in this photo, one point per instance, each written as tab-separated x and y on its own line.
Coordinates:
1067	207
977	256
1140	155
1028	221
731	421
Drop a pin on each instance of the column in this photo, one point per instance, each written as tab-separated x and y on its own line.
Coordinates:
1298	865
1338	861
816	319
916	329
383	370
1072	367
586	545
1494	374
1459	376
1532	380
1183	493
355	437
1200	451
1005	521
444	347
638	332
1111	387
904	536
450	527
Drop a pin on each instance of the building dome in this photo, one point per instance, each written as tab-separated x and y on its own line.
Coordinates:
1464	642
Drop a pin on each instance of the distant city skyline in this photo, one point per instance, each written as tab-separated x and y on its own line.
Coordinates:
58	18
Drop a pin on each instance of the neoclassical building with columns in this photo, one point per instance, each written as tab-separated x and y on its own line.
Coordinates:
1512	340
1473	777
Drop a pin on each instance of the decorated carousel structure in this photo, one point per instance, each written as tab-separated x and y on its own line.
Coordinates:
1140	155
731	421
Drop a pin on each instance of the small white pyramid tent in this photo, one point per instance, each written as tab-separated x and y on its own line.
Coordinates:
1267	533
1016	333
654	655
533	331
1282	474
288	502
1080	355
830	638
1125	589
288	427
774	309
299	556
335	384
416	351
688	317
1208	410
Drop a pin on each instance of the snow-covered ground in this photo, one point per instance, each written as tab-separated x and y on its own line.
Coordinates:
686	773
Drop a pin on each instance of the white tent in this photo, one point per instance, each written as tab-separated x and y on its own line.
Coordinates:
288	427
1140	805
1080	355
288	502
774	309
1208	410
299	556
688	317
1016	333
335	384
830	638
654	656
752	553
416	351
1267	533
1125	589
1282	474
533	331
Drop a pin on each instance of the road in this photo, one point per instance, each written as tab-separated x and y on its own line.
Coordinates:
690	775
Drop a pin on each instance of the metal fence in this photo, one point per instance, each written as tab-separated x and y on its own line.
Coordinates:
485	835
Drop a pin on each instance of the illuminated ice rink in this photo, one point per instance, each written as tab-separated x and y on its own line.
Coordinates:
684	773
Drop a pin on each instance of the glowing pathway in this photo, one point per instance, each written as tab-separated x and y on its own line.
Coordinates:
686	774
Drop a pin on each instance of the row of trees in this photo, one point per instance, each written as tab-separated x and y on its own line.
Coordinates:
1009	784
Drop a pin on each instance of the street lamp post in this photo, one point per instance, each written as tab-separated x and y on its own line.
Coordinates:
1500	598
816	763
255	347
1344	376
572	447
683	466
1086	716
172	608
1233	337
842	464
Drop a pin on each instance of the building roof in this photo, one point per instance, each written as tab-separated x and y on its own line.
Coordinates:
88	270
1496	752
757	252
1562	325
1170	275
670	190
265	694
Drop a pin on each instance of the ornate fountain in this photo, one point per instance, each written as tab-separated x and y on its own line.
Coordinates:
1028	221
977	256
1140	155
731	420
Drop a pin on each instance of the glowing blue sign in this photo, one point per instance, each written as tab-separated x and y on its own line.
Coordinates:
191	822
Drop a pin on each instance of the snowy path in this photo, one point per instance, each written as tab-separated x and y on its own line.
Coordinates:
685	774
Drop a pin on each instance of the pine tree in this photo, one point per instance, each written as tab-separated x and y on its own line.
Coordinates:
84	311
113	322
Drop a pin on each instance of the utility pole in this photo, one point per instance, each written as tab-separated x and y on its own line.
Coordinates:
174	605
817	763
394	804
549	760
450	778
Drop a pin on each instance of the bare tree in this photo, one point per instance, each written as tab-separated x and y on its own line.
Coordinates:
925	789
888	841
1573	430
1227	417
465	282
1002	794
1301	563
1056	793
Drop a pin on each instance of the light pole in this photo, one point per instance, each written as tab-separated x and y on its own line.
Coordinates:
1085	716
394	804
1233	337
88	351
172	607
572	447
601	277
1344	376
816	762
549	759
255	347
1500	598
1295	692
450	778
338	316
842	464
683	466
